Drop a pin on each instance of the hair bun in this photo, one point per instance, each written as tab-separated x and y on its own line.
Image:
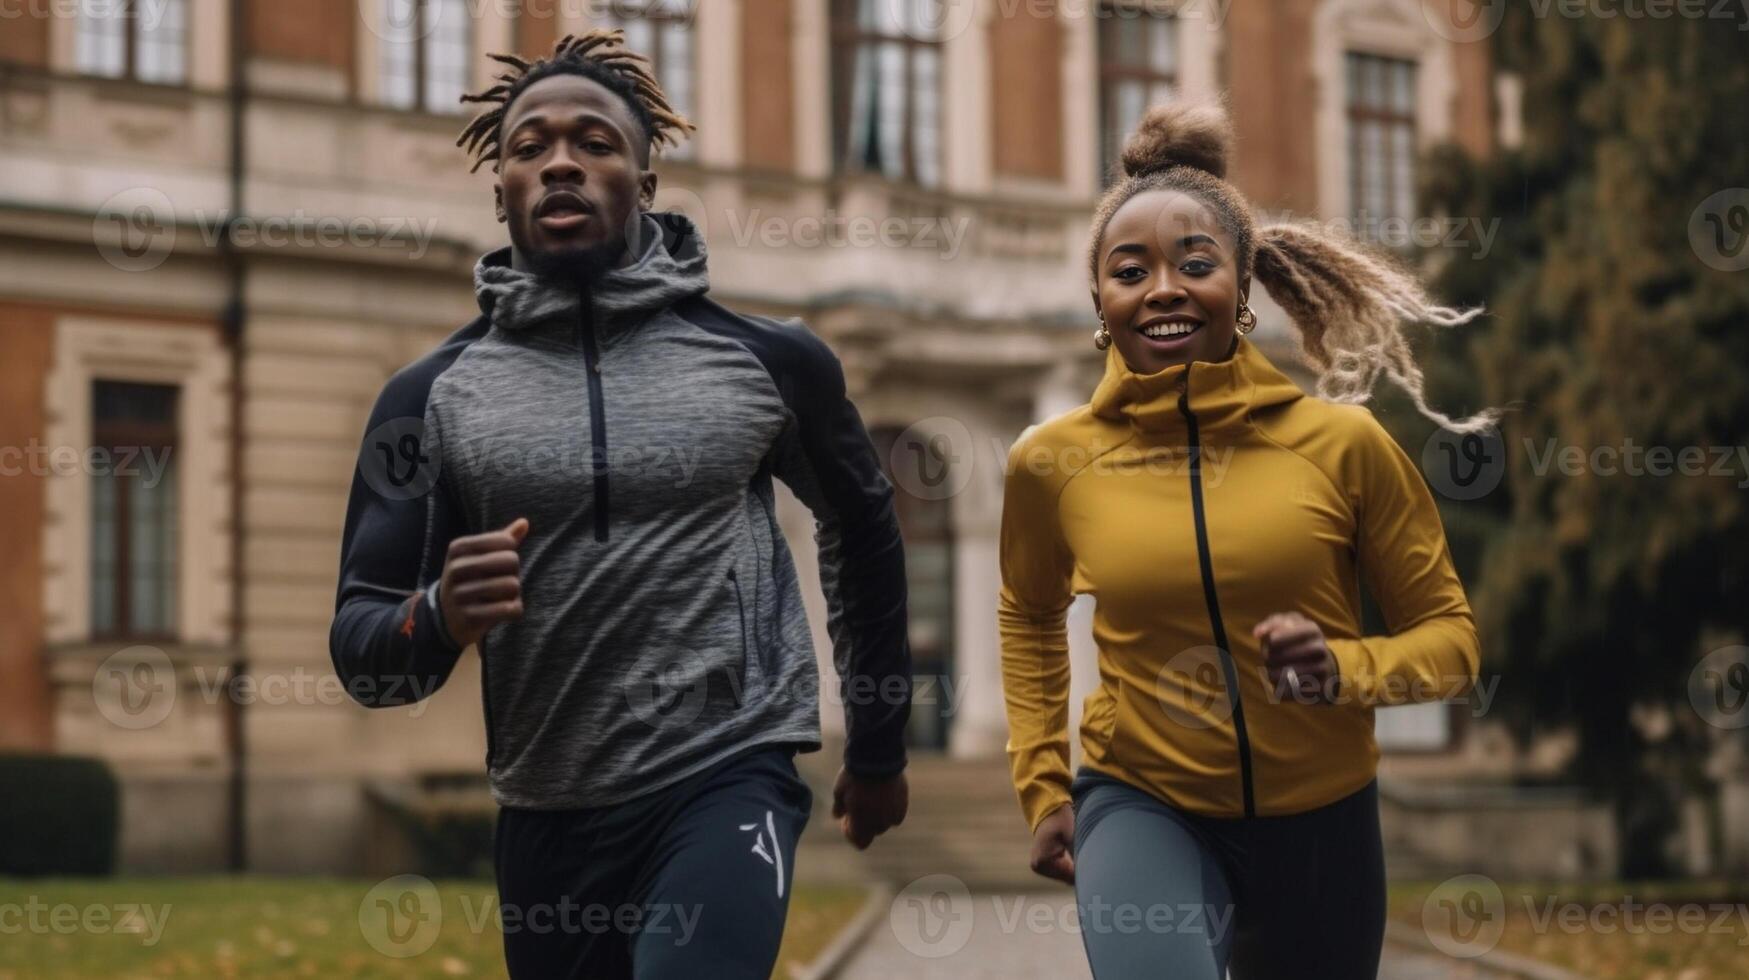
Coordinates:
1180	134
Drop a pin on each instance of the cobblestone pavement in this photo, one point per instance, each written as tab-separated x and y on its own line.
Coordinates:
1019	936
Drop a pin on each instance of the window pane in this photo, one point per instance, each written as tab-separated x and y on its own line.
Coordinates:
926	125
676	67
103	572
1163	49
448	55
100	46
891	61
399	32
151	554
162	42
1403	167
1403	91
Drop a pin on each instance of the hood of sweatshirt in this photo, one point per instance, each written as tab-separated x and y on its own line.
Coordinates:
669	266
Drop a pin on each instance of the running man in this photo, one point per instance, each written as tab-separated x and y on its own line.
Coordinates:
579	482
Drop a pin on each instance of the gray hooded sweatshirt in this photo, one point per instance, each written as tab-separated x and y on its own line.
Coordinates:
637	425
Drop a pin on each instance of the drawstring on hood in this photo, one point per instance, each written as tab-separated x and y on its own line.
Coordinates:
669	268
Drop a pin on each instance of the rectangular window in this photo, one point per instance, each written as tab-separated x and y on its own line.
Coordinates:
886	87
1138	68
143	41
661	30
918	467
134	523
427	54
1381	138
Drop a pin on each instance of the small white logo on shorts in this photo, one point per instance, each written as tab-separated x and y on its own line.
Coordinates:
771	854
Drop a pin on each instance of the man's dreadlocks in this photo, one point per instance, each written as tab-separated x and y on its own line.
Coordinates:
599	55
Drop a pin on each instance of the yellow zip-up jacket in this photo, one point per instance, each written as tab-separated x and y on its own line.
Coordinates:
1192	503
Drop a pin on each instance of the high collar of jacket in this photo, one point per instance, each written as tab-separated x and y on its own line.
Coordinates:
668	266
1221	394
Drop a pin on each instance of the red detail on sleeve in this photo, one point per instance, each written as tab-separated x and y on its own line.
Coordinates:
412	605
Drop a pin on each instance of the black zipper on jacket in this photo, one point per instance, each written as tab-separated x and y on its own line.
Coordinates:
1208	592
597	420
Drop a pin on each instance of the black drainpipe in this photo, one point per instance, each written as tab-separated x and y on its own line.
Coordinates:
234	318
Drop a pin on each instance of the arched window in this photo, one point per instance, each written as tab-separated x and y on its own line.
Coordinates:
915	463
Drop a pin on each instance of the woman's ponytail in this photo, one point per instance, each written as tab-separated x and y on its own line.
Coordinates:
1350	308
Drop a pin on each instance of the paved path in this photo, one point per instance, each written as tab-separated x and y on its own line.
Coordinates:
1016	937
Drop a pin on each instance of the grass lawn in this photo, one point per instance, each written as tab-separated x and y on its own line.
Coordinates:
1610	931
291	927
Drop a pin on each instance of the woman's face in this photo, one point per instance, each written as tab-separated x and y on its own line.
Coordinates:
1168	282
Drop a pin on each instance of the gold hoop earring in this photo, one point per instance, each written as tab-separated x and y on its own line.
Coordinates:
1102	336
1247	321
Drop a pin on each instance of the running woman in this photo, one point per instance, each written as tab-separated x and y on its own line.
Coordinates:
579	482
1226	812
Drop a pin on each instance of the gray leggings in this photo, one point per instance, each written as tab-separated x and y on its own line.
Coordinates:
1167	894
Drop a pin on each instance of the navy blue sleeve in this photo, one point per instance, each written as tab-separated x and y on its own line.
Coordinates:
826	458
387	641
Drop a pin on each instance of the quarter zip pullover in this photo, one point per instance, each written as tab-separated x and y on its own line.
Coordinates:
1192	503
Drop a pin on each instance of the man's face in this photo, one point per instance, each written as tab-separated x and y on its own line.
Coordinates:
571	176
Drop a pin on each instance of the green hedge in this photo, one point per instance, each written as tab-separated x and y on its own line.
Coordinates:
60	815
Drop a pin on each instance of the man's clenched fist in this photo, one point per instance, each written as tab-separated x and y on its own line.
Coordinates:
482	582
